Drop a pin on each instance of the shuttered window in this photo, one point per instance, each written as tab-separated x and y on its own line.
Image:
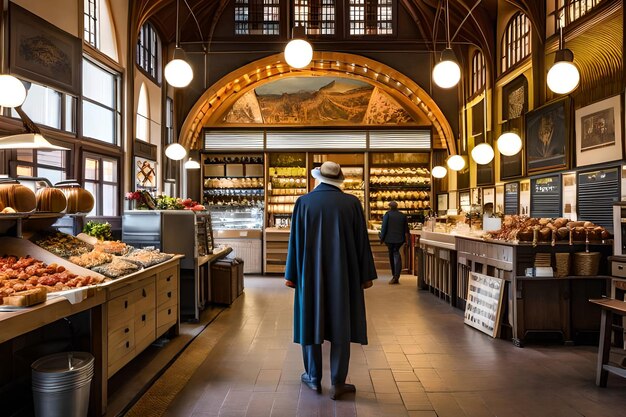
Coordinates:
597	191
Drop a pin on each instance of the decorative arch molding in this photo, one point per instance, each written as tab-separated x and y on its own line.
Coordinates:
219	98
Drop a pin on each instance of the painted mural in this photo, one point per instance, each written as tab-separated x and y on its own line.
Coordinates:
317	101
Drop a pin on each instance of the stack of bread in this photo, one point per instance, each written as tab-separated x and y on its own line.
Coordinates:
529	229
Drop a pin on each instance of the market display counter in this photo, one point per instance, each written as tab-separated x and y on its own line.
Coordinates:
126	316
439	265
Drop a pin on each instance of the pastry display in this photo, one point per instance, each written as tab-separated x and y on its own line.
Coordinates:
91	259
114	247
117	268
286	185
63	245
26	273
147	257
529	229
409	186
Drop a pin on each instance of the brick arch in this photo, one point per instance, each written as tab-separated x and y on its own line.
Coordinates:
218	99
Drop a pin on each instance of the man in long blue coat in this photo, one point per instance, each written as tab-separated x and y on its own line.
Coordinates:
329	263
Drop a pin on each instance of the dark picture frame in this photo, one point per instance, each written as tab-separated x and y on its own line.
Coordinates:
43	53
548	137
515	98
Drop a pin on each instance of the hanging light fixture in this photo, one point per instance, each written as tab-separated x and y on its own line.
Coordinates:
509	143
12	91
563	76
447	73
439	171
191	164
456	162
482	153
298	52
178	72
175	151
29	141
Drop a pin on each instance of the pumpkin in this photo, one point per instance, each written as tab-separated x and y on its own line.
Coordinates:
79	200
51	199
17	196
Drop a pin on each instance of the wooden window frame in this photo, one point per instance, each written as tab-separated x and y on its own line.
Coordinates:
516	41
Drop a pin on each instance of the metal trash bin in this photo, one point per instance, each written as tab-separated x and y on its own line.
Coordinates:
61	384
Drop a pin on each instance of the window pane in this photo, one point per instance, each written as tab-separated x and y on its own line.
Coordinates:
24	171
93	189
54	175
25	155
98	84
43	105
70	112
51	158
109	171
91	169
109	200
98	122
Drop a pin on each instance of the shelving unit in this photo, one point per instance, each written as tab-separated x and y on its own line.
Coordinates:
353	168
287	180
400	177
233	180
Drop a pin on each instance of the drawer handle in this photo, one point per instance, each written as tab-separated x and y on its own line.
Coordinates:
620	267
126	304
126	330
169	311
169	294
168	279
143	292
127	345
143	317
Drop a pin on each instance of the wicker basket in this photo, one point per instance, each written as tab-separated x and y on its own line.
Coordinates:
562	264
586	263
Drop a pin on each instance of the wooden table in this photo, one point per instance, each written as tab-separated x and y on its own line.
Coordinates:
609	307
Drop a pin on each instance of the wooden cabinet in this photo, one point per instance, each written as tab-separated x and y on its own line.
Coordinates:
275	250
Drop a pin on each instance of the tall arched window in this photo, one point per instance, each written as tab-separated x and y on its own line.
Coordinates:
575	10
516	41
479	72
149	52
142	124
99	30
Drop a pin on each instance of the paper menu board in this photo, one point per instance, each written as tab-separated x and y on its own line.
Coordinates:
484	303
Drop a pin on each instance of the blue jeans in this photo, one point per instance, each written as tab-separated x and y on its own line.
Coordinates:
394	259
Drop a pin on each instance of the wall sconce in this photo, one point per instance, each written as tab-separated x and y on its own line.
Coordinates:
298	52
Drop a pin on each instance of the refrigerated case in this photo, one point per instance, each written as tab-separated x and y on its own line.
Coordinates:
183	232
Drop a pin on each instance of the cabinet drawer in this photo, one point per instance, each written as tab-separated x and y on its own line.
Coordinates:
126	332
121	306
618	269
145	298
145	330
121	354
167	277
166	296
166	316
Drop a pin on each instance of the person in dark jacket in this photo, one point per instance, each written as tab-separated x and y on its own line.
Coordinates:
394	233
329	263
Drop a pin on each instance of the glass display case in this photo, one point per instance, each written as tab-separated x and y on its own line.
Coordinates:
232	218
401	177
287	180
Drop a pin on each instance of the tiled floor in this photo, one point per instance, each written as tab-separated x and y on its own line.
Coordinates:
422	361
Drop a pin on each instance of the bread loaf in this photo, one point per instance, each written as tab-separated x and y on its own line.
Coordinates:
26	298
51	199
17	196
79	200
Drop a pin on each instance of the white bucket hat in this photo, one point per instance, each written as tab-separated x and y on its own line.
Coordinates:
329	173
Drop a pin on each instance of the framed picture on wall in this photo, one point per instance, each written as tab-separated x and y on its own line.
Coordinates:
515	98
44	53
511	166
145	174
442	204
489	195
599	132
548	137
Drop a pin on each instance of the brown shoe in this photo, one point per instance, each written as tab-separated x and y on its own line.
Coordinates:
394	280
336	391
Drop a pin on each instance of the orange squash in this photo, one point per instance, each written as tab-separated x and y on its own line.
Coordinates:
51	199
17	196
79	200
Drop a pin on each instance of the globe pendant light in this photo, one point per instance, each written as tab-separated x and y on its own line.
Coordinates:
191	164
509	143
563	76
175	151
456	162
178	72
482	153
298	52
439	171
447	73
12	91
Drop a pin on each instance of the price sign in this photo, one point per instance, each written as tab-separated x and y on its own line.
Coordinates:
545	196
484	302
